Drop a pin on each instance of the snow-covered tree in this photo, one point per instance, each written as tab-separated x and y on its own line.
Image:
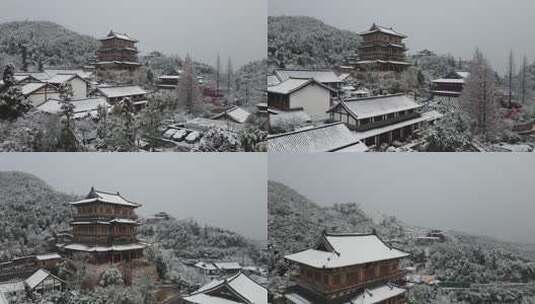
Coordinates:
12	103
122	134
111	277
478	99
218	140
67	141
187	88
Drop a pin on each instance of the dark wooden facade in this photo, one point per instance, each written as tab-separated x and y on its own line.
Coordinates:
382	49
117	52
107	226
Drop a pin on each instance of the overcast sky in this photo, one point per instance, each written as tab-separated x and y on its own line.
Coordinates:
454	26
235	28
482	194
222	190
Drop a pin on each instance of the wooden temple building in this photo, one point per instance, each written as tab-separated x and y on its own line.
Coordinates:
382	119
348	268
452	85
117	52
382	49
104	227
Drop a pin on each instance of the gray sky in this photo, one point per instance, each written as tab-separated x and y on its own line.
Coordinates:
482	194
454	26
235	28
224	190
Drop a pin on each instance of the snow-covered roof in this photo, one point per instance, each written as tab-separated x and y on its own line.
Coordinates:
106	197
367	107
29	88
207	299
206	265
114	35
239	284
81	73
123	221
169	77
121	91
322	76
237	114
294	117
36	278
272	80
12	287
463	74
228	265
378	294
449	80
62	78
85	248
294	84
80	106
326	138
347	250
382	29
49	256
36	75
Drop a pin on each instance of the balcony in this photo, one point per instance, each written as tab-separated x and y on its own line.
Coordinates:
385	122
329	289
101	217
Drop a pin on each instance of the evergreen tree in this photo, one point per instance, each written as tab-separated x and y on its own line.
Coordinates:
122	135
12	103
150	120
67	141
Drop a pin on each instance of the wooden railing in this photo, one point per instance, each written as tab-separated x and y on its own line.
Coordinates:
387	122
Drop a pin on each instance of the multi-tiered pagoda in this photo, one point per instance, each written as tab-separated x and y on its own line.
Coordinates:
104	226
348	268
382	49
117	52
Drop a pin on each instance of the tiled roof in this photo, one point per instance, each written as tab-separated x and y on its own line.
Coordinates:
326	138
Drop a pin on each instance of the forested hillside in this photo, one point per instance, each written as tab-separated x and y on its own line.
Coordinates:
30	212
495	271
305	42
44	43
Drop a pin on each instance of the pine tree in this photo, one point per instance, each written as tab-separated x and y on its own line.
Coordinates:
478	99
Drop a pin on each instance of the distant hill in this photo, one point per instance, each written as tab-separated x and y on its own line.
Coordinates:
46	42
501	271
31	211
306	42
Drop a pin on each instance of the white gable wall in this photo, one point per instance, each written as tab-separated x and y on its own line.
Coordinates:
79	88
314	99
40	96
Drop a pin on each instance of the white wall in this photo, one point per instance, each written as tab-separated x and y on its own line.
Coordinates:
314	99
38	97
79	88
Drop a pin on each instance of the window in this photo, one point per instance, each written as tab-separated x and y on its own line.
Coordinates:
337	280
